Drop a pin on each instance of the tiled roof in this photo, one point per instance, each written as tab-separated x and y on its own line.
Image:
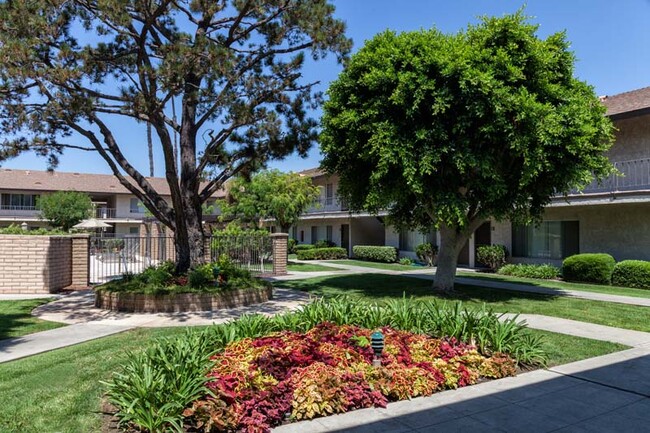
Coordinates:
627	102
34	180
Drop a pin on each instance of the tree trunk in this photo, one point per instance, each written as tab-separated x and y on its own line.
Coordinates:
189	238
452	241
285	228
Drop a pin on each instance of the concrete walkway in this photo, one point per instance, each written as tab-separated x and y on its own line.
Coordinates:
89	323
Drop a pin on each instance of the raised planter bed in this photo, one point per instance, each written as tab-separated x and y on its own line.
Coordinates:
181	302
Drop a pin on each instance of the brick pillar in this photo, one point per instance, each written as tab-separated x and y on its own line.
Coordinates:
80	261
207	248
280	241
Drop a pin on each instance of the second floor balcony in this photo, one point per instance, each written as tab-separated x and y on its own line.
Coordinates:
634	176
327	204
19	211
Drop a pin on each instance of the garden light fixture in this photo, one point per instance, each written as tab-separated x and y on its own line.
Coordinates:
377	344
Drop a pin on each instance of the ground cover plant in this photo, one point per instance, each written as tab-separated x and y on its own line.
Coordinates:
16	319
255	383
216	277
153	387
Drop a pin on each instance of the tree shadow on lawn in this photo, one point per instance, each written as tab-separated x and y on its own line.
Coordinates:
382	286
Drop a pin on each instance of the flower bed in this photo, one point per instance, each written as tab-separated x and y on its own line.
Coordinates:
256	382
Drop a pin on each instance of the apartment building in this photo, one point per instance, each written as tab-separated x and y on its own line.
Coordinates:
112	203
611	217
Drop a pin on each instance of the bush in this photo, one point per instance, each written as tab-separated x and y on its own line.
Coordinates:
303	247
405	261
324	244
15	229
427	253
201	277
291	245
492	256
544	272
589	268
375	253
632	273
322	254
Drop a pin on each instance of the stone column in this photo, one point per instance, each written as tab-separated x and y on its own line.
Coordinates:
280	241
80	261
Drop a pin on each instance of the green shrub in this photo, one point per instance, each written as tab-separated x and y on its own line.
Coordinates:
201	277
156	275
324	244
154	386
632	273
492	256
544	272
291	245
427	253
15	229
405	261
334	253
303	247
589	268
375	253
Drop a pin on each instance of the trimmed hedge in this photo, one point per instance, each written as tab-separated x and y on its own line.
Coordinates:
322	254
632	273
303	247
589	268
543	272
375	253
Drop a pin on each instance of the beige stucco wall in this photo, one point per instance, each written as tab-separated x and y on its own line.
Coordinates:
336	223
632	139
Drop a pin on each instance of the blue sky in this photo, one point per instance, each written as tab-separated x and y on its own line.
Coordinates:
611	40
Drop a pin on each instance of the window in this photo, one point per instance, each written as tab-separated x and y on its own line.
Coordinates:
135	206
550	240
20	201
314	234
409	239
294	232
329	194
302	236
134	230
328	233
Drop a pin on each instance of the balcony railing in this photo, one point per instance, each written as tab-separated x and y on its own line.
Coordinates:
11	210
105	213
327	204
635	176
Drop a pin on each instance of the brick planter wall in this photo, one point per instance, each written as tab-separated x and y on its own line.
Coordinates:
40	264
184	302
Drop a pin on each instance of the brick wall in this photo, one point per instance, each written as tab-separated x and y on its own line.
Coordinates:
39	264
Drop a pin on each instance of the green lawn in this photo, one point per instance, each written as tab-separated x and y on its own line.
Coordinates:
386	286
16	319
560	285
59	391
376	265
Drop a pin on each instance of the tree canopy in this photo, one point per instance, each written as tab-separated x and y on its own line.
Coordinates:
450	130
64	209
271	194
232	67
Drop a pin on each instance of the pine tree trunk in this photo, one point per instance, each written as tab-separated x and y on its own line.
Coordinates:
189	239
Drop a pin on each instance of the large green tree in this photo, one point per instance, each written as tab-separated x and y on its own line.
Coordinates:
64	209
232	66
450	130
270	195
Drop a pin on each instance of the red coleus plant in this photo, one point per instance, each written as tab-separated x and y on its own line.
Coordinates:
260	383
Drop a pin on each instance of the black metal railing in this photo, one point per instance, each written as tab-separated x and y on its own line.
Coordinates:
112	257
